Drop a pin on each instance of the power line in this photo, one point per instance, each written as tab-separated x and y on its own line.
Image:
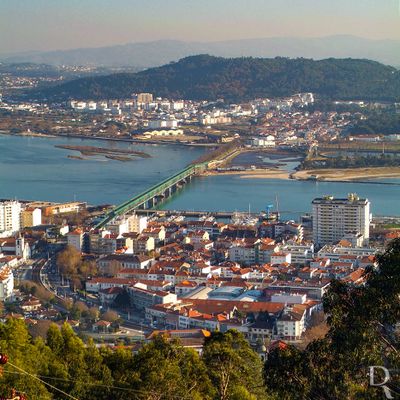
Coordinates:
40	377
40	380
76	381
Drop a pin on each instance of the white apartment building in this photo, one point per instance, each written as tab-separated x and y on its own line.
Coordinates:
281	258
31	217
163	123
290	325
118	226
333	218
75	239
289	298
137	223
267	141
178	105
10	216
242	254
301	253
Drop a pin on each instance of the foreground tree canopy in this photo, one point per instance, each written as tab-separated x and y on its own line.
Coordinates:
362	321
162	369
361	333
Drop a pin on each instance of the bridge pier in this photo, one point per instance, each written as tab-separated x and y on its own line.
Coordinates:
151	203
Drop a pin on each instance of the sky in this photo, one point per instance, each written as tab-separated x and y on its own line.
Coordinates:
41	25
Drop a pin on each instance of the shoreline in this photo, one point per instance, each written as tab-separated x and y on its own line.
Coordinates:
29	134
260	173
359	175
126	140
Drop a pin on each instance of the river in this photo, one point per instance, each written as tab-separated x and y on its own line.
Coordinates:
32	168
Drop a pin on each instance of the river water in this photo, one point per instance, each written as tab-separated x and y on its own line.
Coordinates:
32	168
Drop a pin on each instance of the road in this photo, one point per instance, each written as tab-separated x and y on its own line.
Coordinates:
44	274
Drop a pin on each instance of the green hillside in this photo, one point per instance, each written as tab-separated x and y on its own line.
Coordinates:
240	79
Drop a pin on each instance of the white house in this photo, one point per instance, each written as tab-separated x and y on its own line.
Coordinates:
75	239
266	141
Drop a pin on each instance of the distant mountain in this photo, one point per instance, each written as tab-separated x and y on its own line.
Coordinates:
32	70
237	79
156	53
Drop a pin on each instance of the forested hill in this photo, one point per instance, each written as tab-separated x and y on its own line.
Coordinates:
238	79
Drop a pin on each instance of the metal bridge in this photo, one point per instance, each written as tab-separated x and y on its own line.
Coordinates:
157	193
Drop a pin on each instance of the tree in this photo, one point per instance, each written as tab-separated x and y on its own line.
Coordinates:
361	321
79	309
68	261
93	314
88	269
233	366
110	316
16	343
31	288
55	340
165	370
67	304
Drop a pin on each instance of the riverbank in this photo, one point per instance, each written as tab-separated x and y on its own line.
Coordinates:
110	139
27	133
348	174
114	154
358	175
261	173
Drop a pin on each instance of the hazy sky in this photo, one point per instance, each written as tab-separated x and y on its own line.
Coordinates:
62	24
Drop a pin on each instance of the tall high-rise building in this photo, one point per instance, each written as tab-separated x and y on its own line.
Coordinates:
334	218
10	216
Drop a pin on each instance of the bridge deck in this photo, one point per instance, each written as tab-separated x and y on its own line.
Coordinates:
150	193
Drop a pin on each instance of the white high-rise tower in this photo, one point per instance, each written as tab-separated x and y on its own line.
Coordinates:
334	218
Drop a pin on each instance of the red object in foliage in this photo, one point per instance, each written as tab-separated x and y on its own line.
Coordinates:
3	359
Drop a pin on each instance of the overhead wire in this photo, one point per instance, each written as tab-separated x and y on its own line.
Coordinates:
41	380
137	391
